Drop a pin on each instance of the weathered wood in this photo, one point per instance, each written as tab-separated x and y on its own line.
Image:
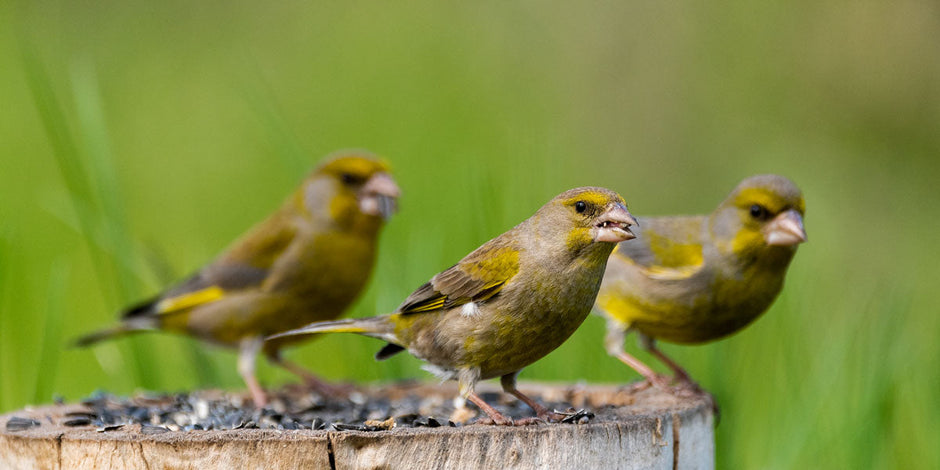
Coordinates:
650	429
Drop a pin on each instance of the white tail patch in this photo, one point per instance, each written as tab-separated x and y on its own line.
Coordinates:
470	309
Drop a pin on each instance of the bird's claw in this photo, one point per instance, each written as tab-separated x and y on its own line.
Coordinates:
489	421
530	421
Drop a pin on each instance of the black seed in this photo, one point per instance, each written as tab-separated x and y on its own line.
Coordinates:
406	420
20	424
147	429
80	421
113	427
348	427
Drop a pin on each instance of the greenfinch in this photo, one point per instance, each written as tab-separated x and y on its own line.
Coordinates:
694	279
509	302
306	262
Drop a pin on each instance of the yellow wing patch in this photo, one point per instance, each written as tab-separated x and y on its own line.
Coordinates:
674	263
500	264
670	274
671	254
474	279
427	306
189	300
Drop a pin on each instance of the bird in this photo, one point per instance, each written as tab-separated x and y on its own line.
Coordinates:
307	261
695	279
509	302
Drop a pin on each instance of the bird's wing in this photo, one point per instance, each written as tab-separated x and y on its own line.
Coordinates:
246	264
666	248
476	278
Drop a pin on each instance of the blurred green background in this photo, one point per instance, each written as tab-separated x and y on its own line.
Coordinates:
137	139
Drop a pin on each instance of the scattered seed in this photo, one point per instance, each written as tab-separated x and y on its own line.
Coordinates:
291	409
21	424
148	429
113	427
79	421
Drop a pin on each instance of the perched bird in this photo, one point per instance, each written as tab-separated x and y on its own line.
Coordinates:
306	262
694	279
509	302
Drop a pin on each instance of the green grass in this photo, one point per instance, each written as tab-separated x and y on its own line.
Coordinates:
139	139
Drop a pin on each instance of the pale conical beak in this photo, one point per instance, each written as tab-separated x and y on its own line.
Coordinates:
786	229
379	196
613	226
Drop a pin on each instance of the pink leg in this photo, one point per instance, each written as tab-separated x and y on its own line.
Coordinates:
681	374
613	342
494	415
508	382
247	352
686	385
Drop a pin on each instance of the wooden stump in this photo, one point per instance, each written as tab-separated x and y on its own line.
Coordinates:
646	429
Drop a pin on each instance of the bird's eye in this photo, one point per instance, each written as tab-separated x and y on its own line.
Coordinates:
580	206
758	211
349	178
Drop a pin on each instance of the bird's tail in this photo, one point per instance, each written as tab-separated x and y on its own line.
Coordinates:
380	327
122	329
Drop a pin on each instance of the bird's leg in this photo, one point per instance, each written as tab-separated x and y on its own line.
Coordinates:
248	350
508	382
613	341
315	383
685	381
681	374
466	382
495	416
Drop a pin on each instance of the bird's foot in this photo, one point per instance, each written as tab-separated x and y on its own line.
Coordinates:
529	421
659	381
687	388
494	417
499	420
636	387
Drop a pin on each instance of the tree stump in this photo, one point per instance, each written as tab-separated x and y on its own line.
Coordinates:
621	429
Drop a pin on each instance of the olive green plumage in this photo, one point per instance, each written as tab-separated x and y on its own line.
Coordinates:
509	302
306	262
693	279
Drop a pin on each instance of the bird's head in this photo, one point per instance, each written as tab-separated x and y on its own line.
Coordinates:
352	185
763	213
585	216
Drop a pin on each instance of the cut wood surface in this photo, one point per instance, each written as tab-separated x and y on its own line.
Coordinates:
645	429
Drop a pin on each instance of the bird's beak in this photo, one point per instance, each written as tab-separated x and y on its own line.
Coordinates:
613	226
785	230
379	196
